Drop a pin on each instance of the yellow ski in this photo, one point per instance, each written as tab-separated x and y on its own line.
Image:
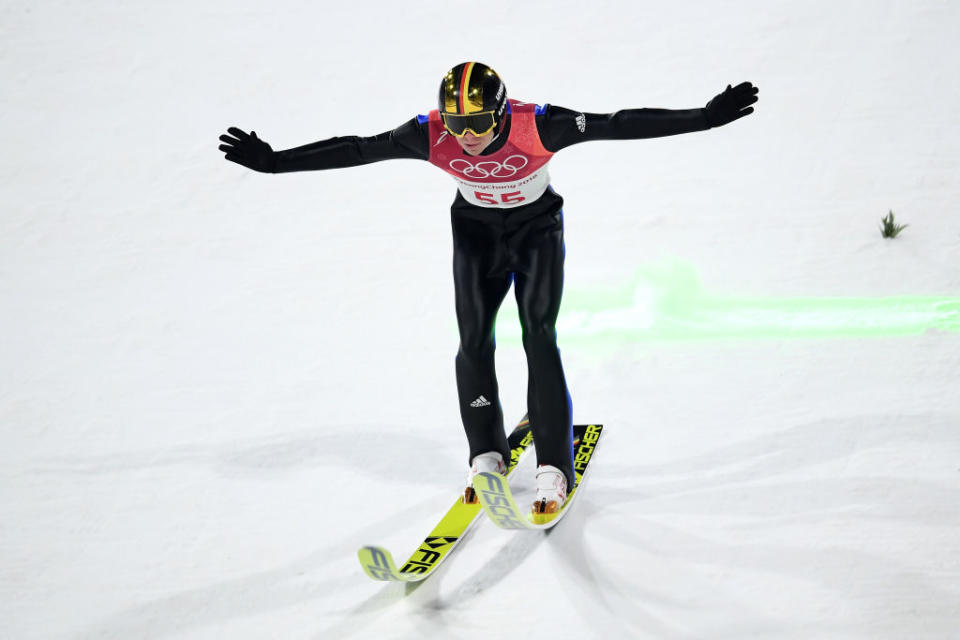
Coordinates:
378	562
494	493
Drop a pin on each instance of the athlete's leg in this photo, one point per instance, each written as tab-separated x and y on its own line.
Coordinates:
479	287
539	288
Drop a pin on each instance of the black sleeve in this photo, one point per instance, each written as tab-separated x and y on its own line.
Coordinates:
409	140
560	127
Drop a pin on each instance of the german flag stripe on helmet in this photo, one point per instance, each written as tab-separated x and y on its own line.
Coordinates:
464	88
470	88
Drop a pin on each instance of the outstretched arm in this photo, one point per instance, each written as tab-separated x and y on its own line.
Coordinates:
409	140
560	127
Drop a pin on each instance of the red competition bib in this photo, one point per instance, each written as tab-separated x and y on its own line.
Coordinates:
513	176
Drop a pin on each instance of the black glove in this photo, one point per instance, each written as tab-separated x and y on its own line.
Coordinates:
733	103
248	150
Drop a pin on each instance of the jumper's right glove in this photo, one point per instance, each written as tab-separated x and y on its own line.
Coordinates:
732	104
248	150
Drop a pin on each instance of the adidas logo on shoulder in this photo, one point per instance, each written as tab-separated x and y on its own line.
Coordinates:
480	402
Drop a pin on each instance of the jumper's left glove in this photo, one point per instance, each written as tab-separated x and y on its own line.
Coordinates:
732	104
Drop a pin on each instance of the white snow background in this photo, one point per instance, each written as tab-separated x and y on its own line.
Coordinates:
215	385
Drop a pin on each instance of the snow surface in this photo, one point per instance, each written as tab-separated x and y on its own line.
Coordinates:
216	384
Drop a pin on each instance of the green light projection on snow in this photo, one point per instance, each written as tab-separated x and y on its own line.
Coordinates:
668	303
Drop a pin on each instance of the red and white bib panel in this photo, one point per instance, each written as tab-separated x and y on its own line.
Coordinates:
513	176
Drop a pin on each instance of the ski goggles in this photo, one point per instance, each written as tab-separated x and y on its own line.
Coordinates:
479	124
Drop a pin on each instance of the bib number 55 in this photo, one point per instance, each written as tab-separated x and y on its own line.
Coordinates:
511	197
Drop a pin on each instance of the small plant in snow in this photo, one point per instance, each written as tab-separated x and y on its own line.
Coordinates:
890	229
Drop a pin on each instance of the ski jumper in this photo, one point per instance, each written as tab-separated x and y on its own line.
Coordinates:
496	243
507	226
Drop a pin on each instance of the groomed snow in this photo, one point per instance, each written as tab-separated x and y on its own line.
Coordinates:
216	384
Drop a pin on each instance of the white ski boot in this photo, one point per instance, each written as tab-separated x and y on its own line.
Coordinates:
490	462
551	490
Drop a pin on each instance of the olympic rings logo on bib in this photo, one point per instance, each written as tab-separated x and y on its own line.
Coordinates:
490	168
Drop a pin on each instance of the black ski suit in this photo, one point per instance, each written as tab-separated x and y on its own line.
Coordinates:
493	248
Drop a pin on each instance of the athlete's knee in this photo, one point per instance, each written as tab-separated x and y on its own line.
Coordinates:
474	348
538	337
